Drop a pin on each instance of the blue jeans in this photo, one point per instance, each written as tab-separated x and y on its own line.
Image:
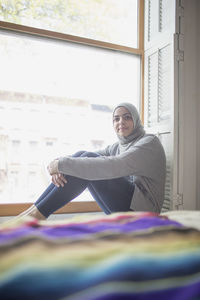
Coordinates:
113	195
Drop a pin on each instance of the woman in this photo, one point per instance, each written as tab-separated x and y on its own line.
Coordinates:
128	175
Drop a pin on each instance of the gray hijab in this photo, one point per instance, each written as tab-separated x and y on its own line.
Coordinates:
138	130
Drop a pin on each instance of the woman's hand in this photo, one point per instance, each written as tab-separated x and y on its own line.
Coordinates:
53	167
59	180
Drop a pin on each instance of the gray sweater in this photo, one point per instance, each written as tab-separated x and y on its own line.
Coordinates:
142	160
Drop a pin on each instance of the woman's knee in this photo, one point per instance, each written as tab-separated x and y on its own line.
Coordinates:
85	154
78	154
89	154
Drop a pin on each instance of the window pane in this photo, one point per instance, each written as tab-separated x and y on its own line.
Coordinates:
55	99
114	21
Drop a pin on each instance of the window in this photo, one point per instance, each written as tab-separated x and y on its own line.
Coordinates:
15	152
13	187
49	144
32	190
33	153
109	21
59	89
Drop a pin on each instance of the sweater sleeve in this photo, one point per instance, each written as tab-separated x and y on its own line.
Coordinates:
103	152
139	160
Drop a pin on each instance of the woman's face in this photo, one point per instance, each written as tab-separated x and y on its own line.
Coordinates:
123	122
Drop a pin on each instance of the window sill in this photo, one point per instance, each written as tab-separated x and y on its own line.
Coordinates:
13	209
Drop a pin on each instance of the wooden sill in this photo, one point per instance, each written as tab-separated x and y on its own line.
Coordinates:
13	209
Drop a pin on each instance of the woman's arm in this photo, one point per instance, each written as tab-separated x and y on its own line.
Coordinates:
143	159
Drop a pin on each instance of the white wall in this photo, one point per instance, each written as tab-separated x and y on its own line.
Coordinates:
190	107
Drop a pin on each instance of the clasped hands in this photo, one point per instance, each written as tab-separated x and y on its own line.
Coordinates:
57	178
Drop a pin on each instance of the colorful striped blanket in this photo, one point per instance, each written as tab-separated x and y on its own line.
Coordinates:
120	256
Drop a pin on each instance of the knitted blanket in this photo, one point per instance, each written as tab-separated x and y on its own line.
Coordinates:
121	256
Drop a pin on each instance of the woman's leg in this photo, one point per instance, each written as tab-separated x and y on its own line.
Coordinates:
55	197
112	195
59	196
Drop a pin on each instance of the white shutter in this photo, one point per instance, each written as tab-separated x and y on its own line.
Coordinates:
166	140
159	106
159	21
166	16
159	81
152	25
164	83
152	89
